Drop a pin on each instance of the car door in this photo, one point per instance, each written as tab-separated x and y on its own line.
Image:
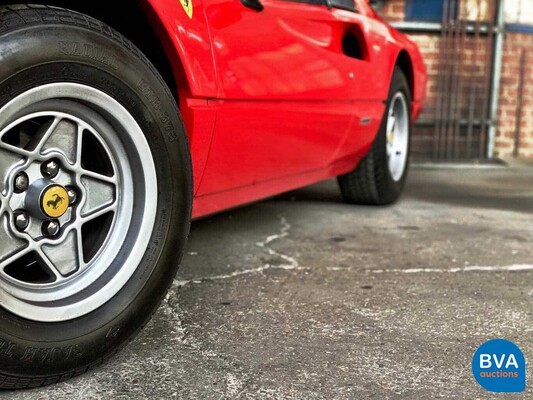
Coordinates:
290	77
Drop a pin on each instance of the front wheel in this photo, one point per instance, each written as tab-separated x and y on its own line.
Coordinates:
380	177
95	193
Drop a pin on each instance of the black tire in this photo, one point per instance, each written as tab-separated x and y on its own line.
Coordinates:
371	182
43	45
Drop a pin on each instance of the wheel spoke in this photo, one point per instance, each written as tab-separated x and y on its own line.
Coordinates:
390	147
95	176
391	123
11	247
66	257
99	195
98	212
63	137
8	161
79	146
27	142
49	265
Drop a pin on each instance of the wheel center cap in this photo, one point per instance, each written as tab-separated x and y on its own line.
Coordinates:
55	201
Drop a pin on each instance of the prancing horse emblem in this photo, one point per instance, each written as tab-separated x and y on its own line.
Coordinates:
187	6
56	202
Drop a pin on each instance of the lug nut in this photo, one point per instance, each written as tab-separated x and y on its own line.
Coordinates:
21	182
72	196
51	228
22	220
50	169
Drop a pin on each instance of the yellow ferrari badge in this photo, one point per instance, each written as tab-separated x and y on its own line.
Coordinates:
55	201
187	6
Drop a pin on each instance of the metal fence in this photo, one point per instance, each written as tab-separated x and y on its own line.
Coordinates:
458	120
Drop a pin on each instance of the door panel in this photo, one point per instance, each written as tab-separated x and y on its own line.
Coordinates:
287	51
292	78
259	141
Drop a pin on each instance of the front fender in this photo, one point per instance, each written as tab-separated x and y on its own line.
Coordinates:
187	45
419	70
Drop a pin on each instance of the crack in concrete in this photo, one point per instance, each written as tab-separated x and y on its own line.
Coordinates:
236	379
290	265
473	268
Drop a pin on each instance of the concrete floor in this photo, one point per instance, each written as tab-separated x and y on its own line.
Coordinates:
305	297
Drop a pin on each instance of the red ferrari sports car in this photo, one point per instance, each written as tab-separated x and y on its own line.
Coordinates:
120	122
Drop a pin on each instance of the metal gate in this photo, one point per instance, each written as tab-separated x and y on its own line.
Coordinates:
456	122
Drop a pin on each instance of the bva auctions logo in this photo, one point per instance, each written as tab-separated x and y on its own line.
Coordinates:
499	366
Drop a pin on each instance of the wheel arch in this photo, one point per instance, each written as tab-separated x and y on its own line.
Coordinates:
143	28
404	62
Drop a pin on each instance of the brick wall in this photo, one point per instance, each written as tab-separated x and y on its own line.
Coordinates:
465	60
473	74
514	44
394	10
429	45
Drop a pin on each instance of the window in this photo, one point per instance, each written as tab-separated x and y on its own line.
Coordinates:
430	10
519	15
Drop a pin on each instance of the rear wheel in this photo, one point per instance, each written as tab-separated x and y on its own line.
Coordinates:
95	193
380	177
